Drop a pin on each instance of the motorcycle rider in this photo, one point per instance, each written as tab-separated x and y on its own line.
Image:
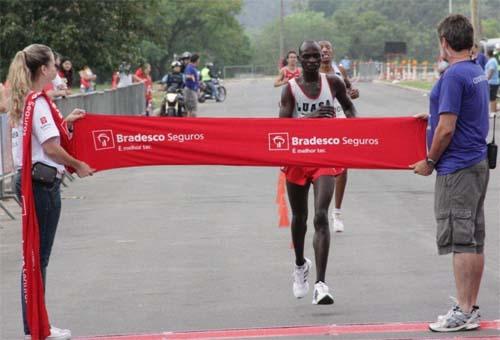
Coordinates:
206	76
174	80
174	83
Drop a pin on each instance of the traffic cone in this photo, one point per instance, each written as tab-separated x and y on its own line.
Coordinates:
284	221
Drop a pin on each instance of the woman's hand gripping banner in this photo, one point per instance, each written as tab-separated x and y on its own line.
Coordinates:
108	142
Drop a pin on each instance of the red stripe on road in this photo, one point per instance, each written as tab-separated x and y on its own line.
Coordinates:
291	331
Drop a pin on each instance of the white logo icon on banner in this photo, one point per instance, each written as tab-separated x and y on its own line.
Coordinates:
103	139
279	141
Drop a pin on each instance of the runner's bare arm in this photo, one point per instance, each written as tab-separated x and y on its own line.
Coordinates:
287	103
279	81
351	92
338	87
345	76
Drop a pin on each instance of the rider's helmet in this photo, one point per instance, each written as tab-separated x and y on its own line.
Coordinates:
209	65
175	63
186	55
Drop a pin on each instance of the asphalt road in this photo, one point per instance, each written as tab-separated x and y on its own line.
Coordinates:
150	250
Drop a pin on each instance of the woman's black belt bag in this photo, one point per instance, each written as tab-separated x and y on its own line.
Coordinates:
43	173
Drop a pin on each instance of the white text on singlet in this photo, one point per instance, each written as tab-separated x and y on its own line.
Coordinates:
305	104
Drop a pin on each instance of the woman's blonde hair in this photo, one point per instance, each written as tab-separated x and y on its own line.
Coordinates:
22	73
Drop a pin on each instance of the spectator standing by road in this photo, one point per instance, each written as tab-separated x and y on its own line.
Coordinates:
87	79
192	78
66	71
478	56
347	65
185	59
57	88
124	75
458	123
491	70
3	98
143	74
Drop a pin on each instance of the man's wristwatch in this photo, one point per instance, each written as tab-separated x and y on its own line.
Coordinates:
430	162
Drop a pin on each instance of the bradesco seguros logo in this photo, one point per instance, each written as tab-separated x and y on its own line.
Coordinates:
279	141
103	139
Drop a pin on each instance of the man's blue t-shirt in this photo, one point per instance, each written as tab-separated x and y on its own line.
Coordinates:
191	70
481	60
462	90
492	64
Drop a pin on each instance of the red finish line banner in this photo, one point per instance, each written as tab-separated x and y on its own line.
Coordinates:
108	142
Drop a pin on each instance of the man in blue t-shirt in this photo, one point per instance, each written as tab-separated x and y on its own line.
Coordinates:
491	70
458	126
346	63
479	56
192	85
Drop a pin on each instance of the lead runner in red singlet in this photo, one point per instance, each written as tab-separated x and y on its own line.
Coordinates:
289	71
311	96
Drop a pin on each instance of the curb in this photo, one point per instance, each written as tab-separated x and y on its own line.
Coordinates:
425	92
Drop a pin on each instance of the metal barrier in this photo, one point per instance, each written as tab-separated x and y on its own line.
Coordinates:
409	71
128	100
368	71
249	71
6	170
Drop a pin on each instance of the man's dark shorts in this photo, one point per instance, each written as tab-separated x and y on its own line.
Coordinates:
459	209
493	92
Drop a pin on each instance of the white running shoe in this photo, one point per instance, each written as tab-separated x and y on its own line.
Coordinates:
338	222
472	323
455	320
55	334
300	275
321	295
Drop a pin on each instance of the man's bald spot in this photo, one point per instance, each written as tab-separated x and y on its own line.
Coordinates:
308	43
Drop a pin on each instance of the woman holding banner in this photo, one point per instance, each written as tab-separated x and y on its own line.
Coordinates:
40	144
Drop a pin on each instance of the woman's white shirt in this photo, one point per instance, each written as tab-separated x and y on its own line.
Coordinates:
44	128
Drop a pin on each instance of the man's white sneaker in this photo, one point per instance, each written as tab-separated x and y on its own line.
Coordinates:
475	319
300	275
454	321
338	223
321	294
55	334
475	316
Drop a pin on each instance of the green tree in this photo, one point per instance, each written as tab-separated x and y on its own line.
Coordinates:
102	33
297	28
209	28
491	28
97	33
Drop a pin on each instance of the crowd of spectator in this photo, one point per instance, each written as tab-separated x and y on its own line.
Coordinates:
66	81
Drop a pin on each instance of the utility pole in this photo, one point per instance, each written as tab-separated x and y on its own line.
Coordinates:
282	29
450	6
474	14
